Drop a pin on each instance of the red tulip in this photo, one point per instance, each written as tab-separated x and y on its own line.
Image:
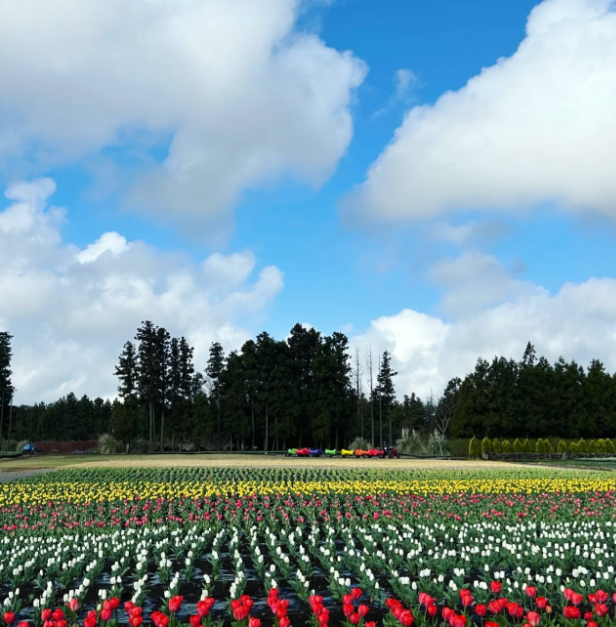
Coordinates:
46	614
135	621
9	617
106	614
490	623
175	603
254	622
347	609
541	602
23	623
370	623
114	602
356	593
195	621
601	596
571	612
284	622
531	591
601	609
406	618
57	615
496	587
576	598
432	610
533	618
481	610
354	618
362	610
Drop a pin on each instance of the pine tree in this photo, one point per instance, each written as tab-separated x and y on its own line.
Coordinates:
148	372
387	392
214	371
6	387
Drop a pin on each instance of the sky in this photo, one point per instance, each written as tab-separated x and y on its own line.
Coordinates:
435	179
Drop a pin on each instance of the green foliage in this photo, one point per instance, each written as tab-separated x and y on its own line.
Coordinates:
361	443
517	446
497	446
19	447
506	447
563	447
474	448
486	445
539	446
527	447
609	446
108	445
582	446
574	447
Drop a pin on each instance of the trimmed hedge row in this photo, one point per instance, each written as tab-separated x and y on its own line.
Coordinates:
545	456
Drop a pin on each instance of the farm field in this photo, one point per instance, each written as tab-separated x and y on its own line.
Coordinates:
201	546
230	460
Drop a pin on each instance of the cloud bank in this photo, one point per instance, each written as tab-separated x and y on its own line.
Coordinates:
71	309
536	127
240	96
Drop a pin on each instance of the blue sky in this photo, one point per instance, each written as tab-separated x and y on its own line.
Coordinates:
341	270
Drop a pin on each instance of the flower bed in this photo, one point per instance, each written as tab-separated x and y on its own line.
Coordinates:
327	547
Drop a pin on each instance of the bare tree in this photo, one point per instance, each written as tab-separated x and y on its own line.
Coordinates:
369	366
357	375
443	413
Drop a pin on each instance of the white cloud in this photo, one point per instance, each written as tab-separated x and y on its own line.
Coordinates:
71	309
578	322
242	96
536	127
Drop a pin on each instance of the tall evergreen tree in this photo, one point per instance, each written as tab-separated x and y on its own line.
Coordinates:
149	373
387	392
6	386
214	371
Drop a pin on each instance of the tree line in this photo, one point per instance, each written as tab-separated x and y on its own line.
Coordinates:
269	394
533	398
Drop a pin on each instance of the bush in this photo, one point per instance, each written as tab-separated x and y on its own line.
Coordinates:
574	447
592	447
582	446
539	448
107	444
496	446
549	449
361	443
506	447
474	448
609	446
563	447
486	446
527	447
20	446
517	446
410	445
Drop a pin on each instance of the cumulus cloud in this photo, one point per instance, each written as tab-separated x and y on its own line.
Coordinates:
535	127
241	96
71	309
577	322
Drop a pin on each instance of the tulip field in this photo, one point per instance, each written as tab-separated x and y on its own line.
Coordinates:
306	546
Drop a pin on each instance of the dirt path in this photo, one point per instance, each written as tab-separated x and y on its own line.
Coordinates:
22	474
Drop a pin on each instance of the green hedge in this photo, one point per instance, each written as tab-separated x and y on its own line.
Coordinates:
459	447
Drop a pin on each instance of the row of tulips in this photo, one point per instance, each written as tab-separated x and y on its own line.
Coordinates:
592	609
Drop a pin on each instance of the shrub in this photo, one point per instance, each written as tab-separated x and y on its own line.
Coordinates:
539	446
517	446
474	448
20	446
592	446
527	447
609	446
486	445
548	448
410	445
506	446
563	447
107	444
582	446
496	446
574	447
361	443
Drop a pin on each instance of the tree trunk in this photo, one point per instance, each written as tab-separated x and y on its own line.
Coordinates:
252	412
162	431
11	420
265	446
151	447
1	418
